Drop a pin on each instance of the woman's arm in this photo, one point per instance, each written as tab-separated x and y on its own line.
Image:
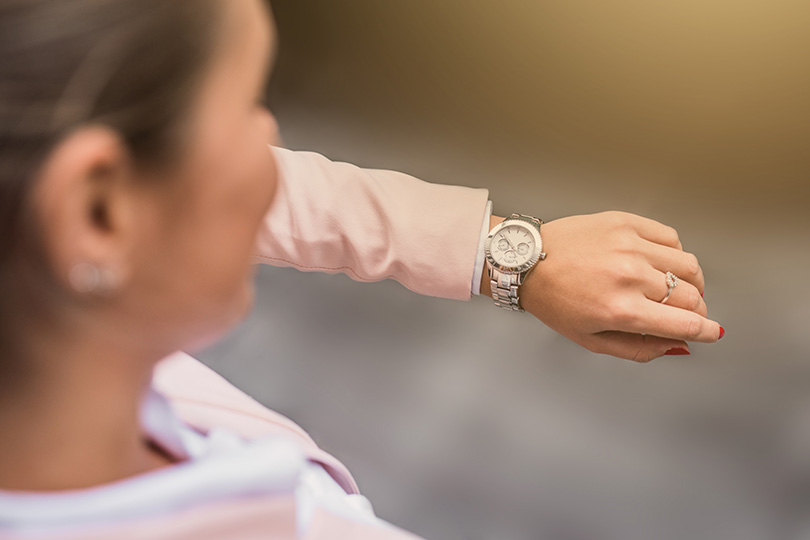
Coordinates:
601	284
373	225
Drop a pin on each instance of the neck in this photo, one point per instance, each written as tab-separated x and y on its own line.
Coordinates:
73	417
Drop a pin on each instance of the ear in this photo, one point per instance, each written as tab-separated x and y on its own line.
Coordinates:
84	205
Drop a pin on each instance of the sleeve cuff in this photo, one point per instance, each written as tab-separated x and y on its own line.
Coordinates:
475	286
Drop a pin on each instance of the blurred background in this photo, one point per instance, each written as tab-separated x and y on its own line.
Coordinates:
694	113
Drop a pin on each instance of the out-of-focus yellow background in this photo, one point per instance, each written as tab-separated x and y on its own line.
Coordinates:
457	425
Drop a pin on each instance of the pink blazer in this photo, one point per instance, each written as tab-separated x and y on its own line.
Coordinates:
373	225
327	217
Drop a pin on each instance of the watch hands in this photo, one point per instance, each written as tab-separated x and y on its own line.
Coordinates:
510	243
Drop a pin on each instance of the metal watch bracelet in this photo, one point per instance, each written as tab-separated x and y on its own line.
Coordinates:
504	287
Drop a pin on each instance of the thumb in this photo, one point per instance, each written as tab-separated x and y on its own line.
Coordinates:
640	348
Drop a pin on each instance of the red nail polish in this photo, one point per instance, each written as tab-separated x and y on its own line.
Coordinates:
677	351
722	333
701	294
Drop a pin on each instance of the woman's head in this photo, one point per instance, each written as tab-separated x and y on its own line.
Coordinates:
132	148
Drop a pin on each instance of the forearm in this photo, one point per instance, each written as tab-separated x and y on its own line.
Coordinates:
372	225
485	289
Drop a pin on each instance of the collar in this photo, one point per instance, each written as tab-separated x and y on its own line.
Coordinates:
218	465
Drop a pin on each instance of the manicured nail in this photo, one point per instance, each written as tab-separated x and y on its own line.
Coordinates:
701	294
677	351
722	333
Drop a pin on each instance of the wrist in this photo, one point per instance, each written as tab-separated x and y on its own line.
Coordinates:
485	289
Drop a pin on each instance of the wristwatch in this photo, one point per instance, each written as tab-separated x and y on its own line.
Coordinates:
512	249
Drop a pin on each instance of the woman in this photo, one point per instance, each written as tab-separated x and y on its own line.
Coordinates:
135	185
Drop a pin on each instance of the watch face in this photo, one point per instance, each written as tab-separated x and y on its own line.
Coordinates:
513	246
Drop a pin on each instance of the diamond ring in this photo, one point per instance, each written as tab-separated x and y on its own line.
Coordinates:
672	282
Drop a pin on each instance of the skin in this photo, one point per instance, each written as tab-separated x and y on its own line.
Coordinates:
181	243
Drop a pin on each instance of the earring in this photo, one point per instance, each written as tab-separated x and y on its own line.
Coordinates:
88	278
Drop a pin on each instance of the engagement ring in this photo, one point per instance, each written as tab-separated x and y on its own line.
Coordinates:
672	282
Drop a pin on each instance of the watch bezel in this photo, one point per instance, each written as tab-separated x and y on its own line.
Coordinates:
538	243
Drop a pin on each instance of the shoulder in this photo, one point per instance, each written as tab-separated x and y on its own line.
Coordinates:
205	400
193	389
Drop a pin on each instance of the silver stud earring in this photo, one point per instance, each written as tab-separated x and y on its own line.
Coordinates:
88	278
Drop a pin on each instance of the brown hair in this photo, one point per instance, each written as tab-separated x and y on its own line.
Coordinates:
131	65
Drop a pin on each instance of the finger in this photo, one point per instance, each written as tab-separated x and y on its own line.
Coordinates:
669	322
654	231
636	347
684	295
681	263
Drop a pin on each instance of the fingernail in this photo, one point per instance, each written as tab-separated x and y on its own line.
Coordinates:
722	333
677	351
701	294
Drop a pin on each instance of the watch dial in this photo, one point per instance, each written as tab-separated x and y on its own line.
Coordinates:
512	246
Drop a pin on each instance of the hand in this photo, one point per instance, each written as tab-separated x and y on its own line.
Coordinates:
602	284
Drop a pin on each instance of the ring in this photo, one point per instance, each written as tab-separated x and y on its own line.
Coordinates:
672	282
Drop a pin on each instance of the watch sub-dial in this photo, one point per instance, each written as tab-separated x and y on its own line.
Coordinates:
510	256
523	248
503	245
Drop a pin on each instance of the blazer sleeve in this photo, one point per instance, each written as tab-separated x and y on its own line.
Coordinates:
372	225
